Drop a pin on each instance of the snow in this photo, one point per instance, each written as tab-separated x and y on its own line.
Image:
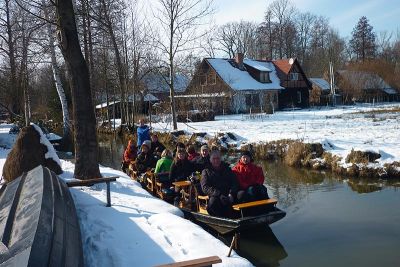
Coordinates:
339	129
51	153
138	229
259	65
240	79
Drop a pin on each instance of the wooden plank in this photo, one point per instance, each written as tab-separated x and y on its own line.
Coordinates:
182	183
207	261
90	182
255	203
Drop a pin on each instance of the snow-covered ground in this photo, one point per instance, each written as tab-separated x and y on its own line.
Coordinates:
138	229
338	129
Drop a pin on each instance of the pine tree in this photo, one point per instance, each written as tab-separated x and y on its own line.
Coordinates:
362	42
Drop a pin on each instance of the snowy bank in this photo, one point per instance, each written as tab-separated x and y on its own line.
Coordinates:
138	229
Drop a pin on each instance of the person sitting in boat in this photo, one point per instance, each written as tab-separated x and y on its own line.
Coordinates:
181	169
192	154
145	160
163	166
178	146
203	160
250	178
129	156
143	132
156	147
220	184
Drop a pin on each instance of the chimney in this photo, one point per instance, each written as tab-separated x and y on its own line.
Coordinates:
239	60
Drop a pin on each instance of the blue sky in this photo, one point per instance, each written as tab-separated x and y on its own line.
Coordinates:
343	14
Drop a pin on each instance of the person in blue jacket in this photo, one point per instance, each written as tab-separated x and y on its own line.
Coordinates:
143	133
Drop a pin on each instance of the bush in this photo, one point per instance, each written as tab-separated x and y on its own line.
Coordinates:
356	156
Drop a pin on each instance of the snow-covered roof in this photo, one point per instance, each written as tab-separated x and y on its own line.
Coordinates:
155	83
148	97
258	65
240	79
103	105
321	83
202	95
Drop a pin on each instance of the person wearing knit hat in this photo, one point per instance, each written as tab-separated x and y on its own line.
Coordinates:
145	160
250	178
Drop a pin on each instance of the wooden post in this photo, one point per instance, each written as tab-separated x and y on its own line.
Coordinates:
108	195
233	243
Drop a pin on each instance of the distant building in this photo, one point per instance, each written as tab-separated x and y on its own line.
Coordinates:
365	87
155	84
243	85
321	95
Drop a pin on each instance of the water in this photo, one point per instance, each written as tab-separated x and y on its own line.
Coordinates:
330	221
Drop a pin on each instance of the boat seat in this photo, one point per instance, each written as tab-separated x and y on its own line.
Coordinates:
151	182
252	204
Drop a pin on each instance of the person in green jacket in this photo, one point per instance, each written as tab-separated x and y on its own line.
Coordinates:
163	166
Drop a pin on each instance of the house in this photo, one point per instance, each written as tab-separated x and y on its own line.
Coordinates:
365	86
232	86
155	84
321	95
113	109
246	85
295	82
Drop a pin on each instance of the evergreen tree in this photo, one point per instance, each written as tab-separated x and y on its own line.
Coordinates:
363	38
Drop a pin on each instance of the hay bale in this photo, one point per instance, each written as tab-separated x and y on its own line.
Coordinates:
26	154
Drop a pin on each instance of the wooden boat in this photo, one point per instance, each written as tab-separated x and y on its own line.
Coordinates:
194	207
39	222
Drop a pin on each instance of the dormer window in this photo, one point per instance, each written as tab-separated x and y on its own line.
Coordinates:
264	77
294	76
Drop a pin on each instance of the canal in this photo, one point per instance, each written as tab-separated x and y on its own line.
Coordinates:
330	220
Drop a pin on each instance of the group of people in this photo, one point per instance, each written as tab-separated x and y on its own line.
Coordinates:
225	186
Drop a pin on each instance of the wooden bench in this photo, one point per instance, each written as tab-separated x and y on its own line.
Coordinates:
39	224
90	182
186	193
240	207
201	262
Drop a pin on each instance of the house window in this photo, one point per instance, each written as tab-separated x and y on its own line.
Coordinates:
203	79
293	76
264	77
298	97
252	100
212	78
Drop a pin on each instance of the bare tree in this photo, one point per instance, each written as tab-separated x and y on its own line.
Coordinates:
67	134
179	21
86	148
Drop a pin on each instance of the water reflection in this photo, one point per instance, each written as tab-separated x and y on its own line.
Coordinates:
261	247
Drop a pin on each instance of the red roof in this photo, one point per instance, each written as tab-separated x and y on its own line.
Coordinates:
283	65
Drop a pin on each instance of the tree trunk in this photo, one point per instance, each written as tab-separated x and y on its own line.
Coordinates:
66	142
86	146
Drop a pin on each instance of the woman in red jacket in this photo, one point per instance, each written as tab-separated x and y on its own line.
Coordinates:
250	178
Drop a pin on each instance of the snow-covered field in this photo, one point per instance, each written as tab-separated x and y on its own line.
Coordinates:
138	229
338	129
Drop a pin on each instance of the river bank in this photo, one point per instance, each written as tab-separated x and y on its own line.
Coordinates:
360	140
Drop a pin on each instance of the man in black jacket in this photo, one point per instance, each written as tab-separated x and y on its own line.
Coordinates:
220	184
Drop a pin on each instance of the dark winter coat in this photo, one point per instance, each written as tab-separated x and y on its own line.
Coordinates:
202	163
215	183
181	170
144	162
157	147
